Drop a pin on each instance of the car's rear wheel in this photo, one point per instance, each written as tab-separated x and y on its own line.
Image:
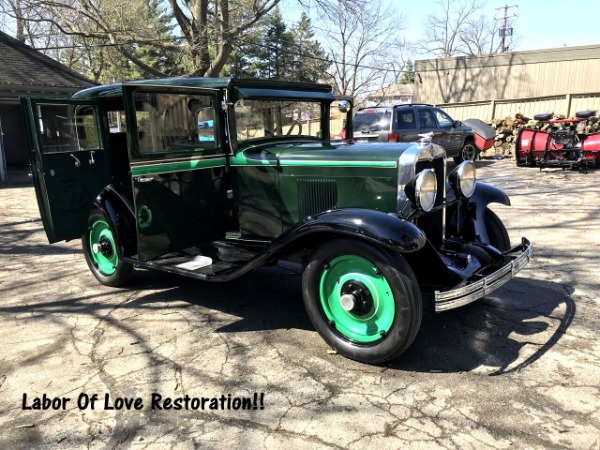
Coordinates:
364	301
497	234
468	152
102	251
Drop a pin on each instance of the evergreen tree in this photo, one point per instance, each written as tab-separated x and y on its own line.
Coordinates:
408	75
310	62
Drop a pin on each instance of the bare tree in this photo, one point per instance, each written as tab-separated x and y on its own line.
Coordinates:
459	28
481	36
231	19
363	45
209	28
19	13
443	30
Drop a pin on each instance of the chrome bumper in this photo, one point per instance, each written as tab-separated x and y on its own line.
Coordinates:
464	295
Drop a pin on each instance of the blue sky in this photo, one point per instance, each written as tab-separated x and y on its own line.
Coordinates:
540	24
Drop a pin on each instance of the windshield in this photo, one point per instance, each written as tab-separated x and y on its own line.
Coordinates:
260	119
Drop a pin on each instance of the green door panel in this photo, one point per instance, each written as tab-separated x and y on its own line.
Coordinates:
178	167
69	163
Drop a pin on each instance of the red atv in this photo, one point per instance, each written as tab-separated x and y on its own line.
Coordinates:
561	145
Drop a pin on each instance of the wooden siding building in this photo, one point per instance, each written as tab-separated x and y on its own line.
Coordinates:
553	78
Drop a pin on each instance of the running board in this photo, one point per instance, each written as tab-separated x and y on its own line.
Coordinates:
189	266
216	262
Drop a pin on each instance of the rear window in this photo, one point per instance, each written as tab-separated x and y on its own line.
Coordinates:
369	118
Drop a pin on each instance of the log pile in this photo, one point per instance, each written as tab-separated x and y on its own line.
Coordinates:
508	128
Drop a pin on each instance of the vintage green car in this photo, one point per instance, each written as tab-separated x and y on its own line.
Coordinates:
210	178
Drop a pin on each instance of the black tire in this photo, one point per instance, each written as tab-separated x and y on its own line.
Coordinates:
497	234
468	152
404	300
110	270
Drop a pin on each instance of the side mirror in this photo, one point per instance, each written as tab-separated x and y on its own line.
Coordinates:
343	106
457	123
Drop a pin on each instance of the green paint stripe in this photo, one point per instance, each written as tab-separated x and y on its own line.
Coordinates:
341	163
241	161
177	166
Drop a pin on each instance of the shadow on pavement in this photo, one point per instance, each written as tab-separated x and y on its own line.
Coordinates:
493	331
490	332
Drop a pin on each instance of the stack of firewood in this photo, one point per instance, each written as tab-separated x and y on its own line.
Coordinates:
508	128
506	133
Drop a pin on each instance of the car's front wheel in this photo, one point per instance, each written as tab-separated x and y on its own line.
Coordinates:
364	301
102	252
468	152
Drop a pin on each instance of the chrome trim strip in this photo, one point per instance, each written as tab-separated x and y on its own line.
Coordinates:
407	166
461	296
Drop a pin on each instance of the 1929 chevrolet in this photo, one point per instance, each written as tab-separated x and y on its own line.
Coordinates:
210	178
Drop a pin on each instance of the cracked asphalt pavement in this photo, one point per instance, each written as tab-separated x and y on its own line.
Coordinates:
519	368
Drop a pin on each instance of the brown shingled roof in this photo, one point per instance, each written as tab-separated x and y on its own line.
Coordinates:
22	66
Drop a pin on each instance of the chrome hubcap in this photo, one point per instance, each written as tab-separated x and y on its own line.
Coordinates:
348	302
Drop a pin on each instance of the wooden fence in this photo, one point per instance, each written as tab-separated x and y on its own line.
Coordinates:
499	109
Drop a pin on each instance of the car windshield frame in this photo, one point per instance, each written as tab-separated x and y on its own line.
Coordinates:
262	119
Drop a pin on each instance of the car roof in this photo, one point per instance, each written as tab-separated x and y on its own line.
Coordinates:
389	107
116	89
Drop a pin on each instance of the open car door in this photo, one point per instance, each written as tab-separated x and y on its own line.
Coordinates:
69	164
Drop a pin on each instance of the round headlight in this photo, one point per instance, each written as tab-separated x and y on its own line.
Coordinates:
422	190
463	179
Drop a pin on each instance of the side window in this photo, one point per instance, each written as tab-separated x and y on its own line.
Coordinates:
175	123
426	119
68	128
406	120
86	127
443	119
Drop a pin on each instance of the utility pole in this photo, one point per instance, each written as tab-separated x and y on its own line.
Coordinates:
504	31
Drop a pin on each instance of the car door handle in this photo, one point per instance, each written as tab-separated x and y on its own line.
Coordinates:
77	162
92	160
144	179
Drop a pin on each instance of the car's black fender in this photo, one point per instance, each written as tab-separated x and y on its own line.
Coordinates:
116	204
484	195
384	230
379	228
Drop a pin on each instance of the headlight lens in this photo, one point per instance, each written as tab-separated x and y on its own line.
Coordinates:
422	190
463	179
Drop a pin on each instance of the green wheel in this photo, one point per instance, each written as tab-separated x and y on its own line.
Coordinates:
102	251
362	300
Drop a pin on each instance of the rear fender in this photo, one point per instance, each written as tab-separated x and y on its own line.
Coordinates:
118	208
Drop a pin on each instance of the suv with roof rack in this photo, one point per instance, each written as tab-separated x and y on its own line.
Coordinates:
404	123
